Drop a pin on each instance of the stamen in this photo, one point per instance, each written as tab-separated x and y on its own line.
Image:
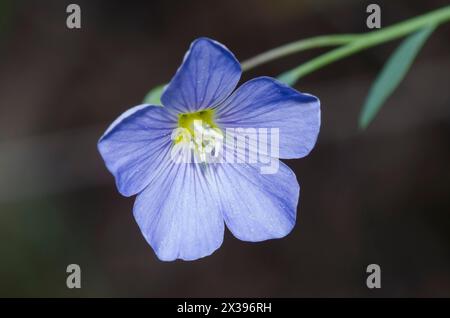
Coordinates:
201	132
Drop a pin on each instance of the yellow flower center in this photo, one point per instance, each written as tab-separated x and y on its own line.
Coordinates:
201	132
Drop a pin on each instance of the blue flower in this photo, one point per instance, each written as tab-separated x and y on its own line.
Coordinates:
182	209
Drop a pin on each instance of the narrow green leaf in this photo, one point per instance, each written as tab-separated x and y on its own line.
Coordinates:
393	72
154	96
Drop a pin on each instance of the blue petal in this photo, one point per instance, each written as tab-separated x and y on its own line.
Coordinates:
209	74
179	214
133	146
266	103
257	206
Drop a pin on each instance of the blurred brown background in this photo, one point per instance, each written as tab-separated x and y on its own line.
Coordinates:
379	196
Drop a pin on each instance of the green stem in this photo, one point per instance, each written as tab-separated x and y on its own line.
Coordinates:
352	43
298	46
369	40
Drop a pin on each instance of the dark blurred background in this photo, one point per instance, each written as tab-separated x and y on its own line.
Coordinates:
379	196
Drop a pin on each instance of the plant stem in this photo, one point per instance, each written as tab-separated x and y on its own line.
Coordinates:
369	40
352	43
298	46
